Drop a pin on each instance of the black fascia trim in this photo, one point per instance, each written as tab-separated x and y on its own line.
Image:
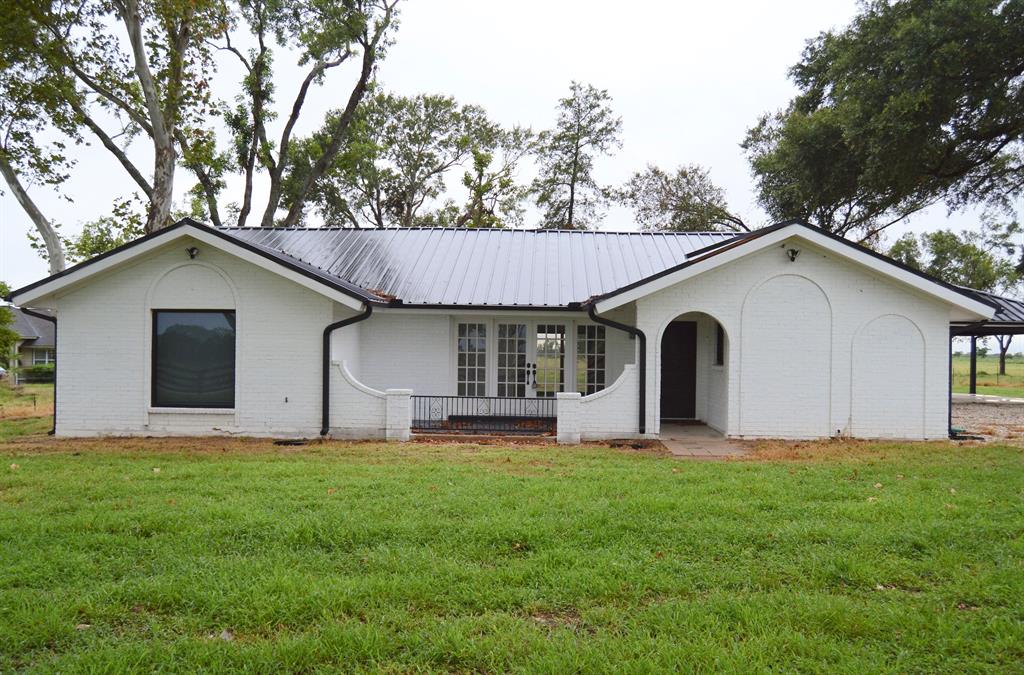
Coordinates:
290	263
718	244
757	234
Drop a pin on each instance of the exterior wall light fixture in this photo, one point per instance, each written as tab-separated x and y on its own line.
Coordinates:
192	252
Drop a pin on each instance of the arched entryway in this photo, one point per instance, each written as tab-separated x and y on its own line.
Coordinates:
694	371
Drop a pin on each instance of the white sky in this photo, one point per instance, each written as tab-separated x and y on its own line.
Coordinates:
687	78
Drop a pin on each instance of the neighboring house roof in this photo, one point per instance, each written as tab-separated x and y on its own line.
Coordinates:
467	268
33	330
486	268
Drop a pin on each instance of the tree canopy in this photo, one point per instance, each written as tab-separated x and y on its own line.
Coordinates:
565	189
916	102
685	200
126	71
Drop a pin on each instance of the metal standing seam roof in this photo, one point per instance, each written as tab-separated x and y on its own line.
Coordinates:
1009	315
487	268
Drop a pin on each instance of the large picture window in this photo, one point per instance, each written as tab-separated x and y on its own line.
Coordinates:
194	359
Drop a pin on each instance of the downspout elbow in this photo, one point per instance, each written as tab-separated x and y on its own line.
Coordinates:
642	341
325	396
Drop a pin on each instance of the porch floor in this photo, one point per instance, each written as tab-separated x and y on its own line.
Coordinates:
698	441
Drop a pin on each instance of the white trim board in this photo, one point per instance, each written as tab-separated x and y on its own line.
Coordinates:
76	276
714	259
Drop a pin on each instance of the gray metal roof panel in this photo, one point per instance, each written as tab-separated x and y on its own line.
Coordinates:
446	266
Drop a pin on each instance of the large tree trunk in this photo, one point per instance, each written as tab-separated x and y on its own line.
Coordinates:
162	125
54	249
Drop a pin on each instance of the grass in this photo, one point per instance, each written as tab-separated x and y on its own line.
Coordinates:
989	379
222	554
27	400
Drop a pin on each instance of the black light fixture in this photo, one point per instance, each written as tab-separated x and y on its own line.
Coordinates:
792	253
192	252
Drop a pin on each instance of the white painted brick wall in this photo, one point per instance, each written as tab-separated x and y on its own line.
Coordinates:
878	379
105	333
357	411
567	406
612	412
786	346
398	414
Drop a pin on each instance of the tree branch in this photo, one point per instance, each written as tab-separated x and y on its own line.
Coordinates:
114	149
54	248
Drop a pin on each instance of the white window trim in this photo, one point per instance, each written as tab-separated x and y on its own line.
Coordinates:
49	356
531	321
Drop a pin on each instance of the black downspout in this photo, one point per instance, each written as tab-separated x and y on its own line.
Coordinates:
639	334
53	320
325	414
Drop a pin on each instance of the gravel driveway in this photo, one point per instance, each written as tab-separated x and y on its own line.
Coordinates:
1003	421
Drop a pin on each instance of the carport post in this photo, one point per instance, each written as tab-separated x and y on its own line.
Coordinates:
974	364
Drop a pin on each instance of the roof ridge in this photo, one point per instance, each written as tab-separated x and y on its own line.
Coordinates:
335	228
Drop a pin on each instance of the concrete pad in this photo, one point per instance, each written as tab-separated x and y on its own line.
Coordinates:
698	441
988	399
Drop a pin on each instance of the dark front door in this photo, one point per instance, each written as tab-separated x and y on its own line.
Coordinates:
679	371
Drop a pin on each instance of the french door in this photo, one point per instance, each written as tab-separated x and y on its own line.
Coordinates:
531	359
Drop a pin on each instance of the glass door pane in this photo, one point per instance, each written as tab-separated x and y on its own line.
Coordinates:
471	378
550	373
513	374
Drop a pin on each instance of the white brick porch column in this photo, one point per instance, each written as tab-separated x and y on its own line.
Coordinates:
567	407
398	414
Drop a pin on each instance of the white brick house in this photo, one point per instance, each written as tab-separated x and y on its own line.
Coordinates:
785	332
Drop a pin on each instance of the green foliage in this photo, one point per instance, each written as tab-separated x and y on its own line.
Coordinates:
982	260
238	556
565	188
8	336
916	102
685	201
127	221
396	157
40	372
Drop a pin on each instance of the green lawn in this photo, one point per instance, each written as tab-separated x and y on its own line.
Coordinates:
989	379
185	555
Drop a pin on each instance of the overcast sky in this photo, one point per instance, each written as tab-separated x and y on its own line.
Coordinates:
687	78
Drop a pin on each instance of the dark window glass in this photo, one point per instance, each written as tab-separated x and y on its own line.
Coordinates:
719	346
194	359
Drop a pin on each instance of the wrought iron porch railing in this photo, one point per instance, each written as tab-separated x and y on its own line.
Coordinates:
483	415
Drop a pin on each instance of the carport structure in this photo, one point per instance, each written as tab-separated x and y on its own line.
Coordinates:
1007	320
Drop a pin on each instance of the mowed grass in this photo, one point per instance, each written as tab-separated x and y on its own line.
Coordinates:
989	379
214	555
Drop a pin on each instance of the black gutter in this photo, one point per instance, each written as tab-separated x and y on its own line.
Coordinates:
53	320
325	412
639	334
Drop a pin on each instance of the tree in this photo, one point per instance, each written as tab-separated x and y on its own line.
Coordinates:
122	70
982	260
685	201
396	158
495	197
125	222
916	102
565	189
8	336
